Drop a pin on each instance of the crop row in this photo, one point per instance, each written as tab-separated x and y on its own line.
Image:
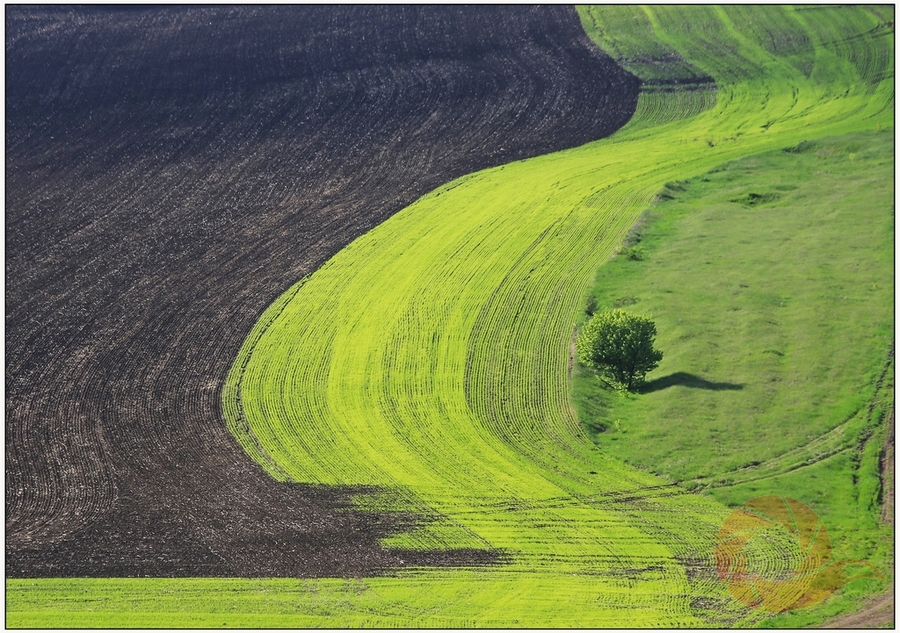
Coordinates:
431	354
171	170
439	371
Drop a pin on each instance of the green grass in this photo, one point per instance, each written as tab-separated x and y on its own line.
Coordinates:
771	282
783	307
430	358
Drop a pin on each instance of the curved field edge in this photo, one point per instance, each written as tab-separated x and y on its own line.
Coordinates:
511	592
430	354
171	170
776	320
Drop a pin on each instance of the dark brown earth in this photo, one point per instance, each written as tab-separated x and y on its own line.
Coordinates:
169	172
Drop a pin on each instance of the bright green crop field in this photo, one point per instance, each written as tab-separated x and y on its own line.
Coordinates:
431	357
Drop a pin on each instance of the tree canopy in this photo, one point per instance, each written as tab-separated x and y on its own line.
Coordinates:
620	346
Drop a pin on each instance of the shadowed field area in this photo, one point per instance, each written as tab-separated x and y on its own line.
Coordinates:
685	379
170	170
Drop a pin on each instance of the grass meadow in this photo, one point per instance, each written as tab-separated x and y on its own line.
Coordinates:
430	358
771	281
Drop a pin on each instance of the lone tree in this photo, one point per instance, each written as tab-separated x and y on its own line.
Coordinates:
620	346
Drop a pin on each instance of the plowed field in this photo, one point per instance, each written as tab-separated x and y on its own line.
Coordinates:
429	357
169	172
418	378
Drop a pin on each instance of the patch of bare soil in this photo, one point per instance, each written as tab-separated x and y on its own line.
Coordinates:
169	172
887	474
877	614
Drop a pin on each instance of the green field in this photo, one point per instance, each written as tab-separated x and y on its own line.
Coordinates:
430	358
775	313
776	317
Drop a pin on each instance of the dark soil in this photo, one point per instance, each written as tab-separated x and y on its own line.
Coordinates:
169	172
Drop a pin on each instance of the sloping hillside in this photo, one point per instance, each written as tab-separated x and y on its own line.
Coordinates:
170	170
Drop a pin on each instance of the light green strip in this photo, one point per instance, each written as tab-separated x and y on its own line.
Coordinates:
430	356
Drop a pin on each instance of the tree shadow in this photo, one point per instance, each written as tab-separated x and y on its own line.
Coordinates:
684	379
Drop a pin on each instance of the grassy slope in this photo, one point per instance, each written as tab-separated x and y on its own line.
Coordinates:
784	309
430	357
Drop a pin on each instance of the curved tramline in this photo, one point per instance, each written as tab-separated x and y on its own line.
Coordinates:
429	357
428	361
171	170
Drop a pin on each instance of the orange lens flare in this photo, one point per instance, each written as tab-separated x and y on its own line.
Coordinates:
774	588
